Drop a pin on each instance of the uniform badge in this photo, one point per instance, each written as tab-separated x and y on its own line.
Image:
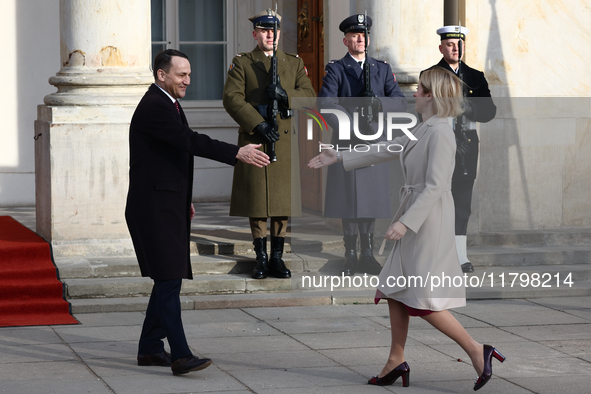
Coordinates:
360	18
394	75
231	67
306	70
325	72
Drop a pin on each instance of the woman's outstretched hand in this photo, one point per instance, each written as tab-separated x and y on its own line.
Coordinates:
325	158
396	231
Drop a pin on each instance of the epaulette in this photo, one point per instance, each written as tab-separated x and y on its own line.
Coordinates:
292	54
381	61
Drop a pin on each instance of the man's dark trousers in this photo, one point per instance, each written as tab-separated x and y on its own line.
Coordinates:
163	320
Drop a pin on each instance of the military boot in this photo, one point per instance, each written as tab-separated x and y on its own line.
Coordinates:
350	264
368	263
277	267
262	266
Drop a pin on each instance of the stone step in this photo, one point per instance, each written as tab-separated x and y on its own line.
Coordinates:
329	260
539	237
319	238
201	284
312	297
539	279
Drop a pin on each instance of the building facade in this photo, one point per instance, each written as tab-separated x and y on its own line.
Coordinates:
534	170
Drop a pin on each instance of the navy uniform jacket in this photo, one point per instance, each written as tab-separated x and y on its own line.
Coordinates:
161	150
478	93
364	192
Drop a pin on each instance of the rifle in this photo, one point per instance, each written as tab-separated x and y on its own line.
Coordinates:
460	129
273	109
371	104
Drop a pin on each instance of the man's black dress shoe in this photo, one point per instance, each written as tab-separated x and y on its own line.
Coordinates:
467	267
190	363
161	359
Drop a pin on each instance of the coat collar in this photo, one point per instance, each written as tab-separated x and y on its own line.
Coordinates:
420	131
352	66
263	61
154	89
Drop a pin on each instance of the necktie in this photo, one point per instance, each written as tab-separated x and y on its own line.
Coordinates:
176	104
360	64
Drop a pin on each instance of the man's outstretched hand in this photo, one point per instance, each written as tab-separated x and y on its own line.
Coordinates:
250	154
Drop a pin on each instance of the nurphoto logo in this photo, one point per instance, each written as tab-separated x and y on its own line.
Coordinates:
344	129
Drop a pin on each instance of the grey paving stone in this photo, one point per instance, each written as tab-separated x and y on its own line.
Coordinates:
582	313
494	307
75	334
348	389
217	316
580	348
380	309
64	371
450	370
418	323
298	313
567	384
212	346
207	380
347	340
564	303
272	360
111	319
488	335
376	355
220	330
109	350
295	378
318	325
553	332
124	366
35	353
543	367
531	318
496	385
55	386
16	336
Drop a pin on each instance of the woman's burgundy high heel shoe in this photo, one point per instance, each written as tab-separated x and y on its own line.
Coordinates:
401	370
489	352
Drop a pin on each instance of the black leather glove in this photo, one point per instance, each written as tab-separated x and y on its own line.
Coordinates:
468	109
462	144
276	92
267	131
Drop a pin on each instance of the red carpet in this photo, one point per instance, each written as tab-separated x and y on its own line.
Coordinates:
30	294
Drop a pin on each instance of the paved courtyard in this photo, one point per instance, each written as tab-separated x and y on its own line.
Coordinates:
307	349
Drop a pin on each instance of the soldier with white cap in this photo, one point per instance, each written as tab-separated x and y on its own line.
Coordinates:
479	107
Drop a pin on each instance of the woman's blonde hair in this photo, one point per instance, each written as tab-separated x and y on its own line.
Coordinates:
446	89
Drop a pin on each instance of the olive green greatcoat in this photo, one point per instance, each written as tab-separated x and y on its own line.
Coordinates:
273	190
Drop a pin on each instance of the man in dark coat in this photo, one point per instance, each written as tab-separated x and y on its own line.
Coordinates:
268	192
360	196
479	107
159	209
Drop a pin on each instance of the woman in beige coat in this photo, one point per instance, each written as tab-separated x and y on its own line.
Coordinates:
418	277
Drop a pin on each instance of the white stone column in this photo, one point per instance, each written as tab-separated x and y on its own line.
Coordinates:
403	34
81	148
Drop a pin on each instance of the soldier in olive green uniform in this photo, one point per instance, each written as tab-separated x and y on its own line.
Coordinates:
263	193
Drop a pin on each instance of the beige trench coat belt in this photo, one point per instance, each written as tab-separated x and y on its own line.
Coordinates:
405	192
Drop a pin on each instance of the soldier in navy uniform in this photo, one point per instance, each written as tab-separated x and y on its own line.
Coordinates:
358	197
479	107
